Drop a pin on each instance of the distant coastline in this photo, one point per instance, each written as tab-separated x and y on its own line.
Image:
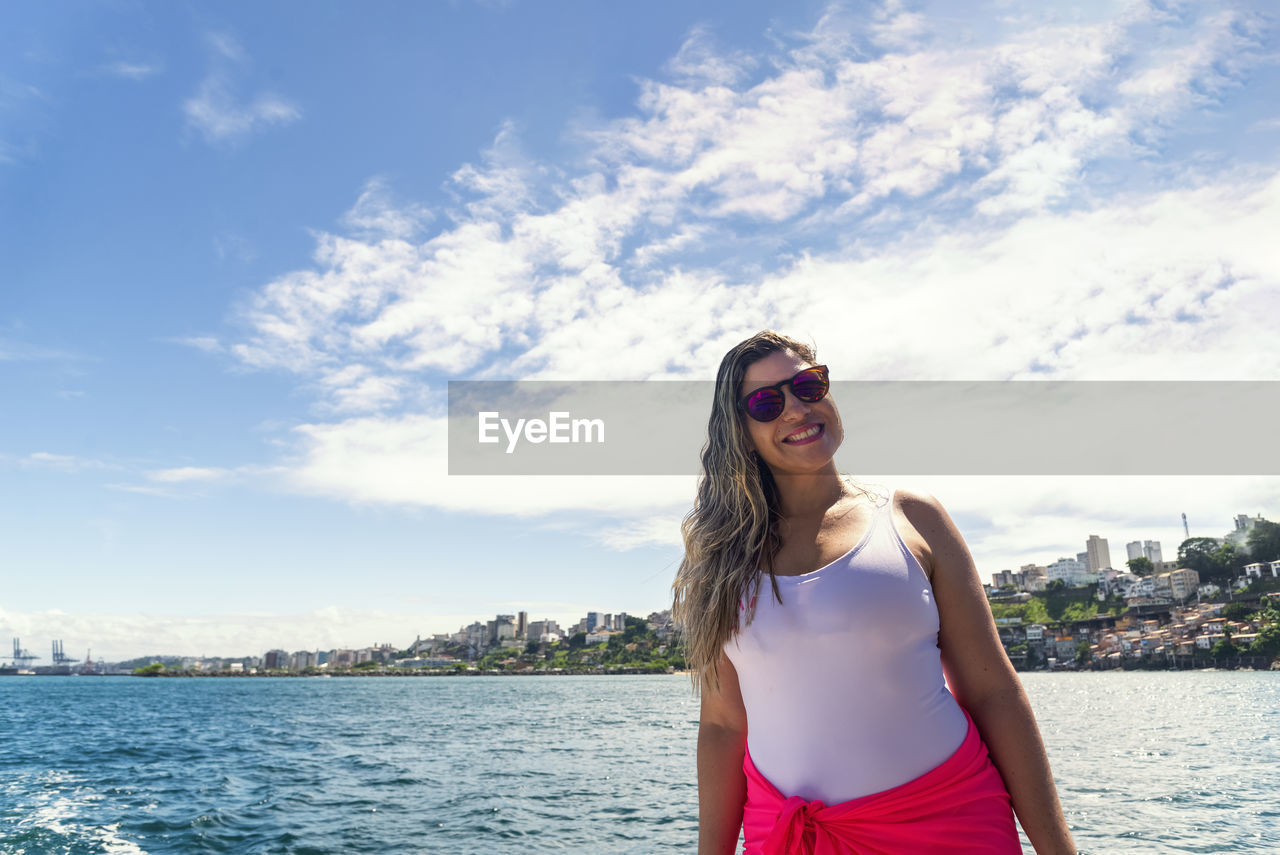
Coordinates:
406	672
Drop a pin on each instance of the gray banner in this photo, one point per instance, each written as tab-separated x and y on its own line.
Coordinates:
899	427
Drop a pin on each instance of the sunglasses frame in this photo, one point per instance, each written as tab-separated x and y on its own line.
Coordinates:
778	387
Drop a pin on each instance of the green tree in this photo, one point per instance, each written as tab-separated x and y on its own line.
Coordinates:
1080	611
1225	647
1084	653
1141	566
1197	553
1008	610
1268	641
1237	611
155	669
578	641
1264	541
1230	561
1215	562
636	629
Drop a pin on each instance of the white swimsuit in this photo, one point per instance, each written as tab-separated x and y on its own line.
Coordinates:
842	682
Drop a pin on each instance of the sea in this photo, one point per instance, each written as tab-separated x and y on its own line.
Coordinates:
1145	762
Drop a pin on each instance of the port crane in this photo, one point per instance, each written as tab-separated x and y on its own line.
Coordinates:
22	659
59	657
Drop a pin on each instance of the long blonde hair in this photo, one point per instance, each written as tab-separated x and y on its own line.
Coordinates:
732	531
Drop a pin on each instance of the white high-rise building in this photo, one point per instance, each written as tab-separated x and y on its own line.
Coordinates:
1151	551
1134	549
1099	554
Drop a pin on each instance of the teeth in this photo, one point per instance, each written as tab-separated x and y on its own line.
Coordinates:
805	434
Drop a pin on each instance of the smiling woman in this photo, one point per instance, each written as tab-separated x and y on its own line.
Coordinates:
871	680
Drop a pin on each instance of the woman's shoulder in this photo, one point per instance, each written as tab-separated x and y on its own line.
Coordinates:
921	521
914	499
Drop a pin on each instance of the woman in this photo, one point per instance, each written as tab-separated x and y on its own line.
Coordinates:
836	665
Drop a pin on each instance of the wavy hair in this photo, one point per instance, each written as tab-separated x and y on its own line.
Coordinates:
732	531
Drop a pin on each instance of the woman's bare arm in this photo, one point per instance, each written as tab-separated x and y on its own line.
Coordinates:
983	680
722	785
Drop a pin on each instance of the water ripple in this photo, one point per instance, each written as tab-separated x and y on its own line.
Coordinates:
1144	762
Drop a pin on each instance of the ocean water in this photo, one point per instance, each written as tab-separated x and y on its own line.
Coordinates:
1145	762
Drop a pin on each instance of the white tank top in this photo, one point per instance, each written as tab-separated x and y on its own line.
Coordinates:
842	682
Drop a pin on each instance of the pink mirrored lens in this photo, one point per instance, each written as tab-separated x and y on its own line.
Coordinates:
809	386
765	405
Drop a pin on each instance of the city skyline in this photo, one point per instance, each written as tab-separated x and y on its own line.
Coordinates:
997	578
246	250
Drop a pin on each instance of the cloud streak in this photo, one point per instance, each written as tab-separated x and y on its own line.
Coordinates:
65	463
219	112
130	70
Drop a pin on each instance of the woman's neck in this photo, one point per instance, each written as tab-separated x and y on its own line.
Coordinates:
810	494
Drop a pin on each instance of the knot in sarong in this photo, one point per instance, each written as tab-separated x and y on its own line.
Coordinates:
796	829
958	806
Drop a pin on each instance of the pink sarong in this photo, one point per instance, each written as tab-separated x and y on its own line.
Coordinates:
959	806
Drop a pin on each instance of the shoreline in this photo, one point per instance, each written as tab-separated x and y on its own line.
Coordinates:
1244	663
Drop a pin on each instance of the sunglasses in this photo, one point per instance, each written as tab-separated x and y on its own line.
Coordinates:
767	403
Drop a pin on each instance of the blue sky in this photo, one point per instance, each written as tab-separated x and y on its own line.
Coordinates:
244	247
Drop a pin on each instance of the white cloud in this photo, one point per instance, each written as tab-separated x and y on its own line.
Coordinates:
130	70
218	111
206	343
215	112
1197	68
701	61
67	463
226	46
688	236
1172	285
118	637
187	481
21	351
184	474
354	388
375	214
144	490
227	245
920	208
404	461
505	183
20	142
